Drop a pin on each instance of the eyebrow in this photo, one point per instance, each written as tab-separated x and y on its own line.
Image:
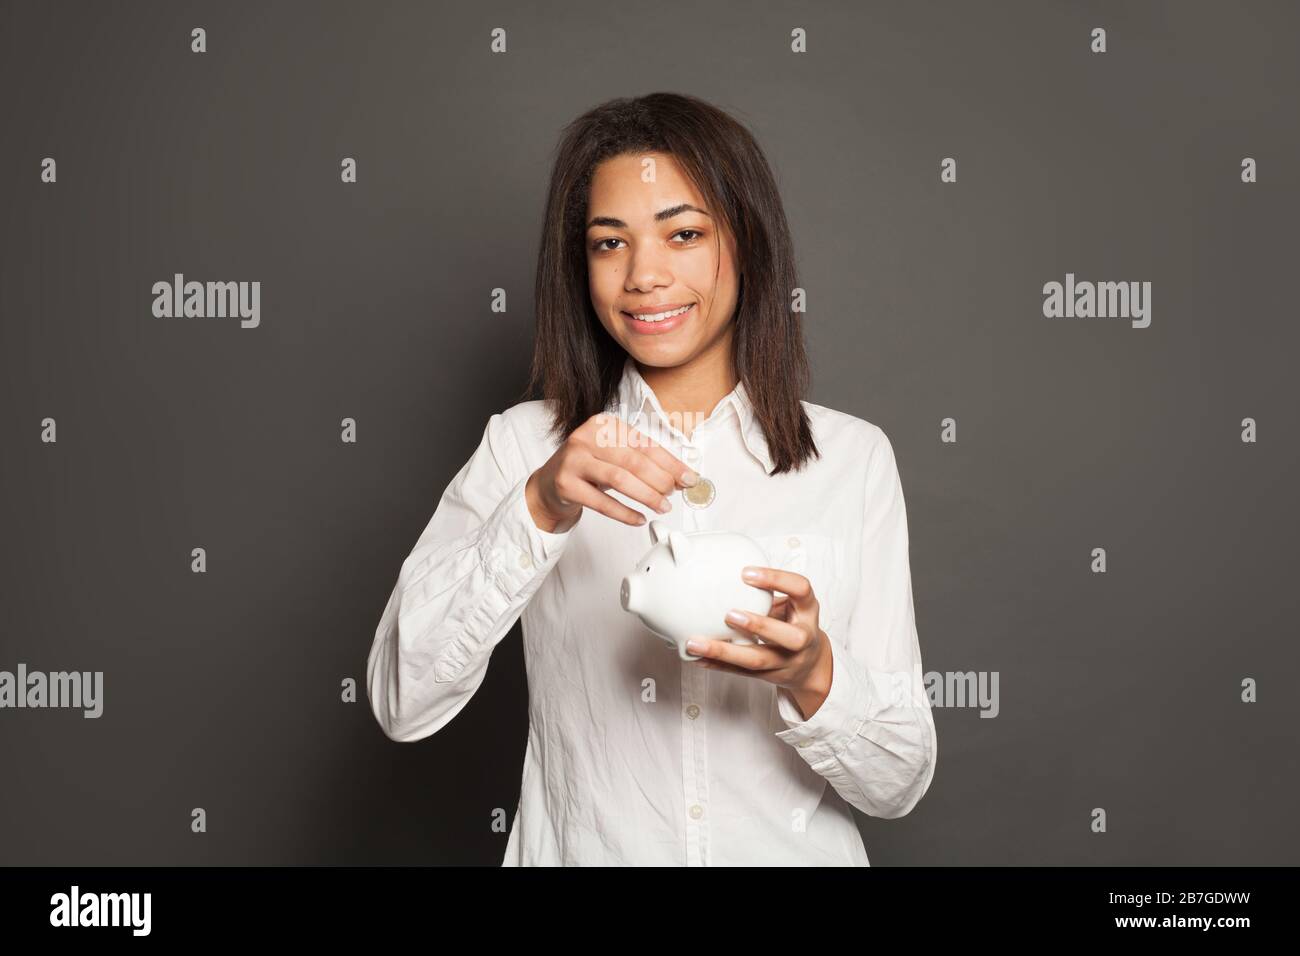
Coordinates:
660	216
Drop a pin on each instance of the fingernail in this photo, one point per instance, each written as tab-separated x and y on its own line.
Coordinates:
695	647
664	506
750	574
737	617
690	478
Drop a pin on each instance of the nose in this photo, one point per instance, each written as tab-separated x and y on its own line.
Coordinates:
625	593
648	270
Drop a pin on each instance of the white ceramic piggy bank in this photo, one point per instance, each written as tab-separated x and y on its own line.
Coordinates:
687	582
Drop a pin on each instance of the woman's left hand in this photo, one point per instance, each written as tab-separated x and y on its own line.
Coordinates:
796	652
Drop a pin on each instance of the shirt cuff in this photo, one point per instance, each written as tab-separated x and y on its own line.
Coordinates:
514	549
837	721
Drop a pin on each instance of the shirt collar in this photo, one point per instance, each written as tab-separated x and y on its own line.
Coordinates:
635	393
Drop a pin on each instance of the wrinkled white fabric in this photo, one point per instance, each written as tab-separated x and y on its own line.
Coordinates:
635	757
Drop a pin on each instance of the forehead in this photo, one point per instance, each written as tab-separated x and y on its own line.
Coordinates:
640	183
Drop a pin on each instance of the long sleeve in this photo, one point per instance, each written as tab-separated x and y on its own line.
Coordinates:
463	586
873	737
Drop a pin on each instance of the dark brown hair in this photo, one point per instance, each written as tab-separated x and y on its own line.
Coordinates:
576	364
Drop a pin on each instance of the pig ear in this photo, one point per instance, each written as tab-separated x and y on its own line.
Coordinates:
658	531
679	546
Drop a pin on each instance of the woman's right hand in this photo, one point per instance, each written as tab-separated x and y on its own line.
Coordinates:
604	452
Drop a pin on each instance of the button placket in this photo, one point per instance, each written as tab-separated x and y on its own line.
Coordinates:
798	560
695	792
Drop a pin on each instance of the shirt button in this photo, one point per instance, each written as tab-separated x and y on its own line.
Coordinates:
525	561
693	711
804	743
792	542
697	811
692	456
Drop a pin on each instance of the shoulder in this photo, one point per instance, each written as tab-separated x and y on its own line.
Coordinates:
841	436
529	425
527	418
836	428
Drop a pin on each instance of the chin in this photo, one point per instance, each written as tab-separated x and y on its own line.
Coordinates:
657	356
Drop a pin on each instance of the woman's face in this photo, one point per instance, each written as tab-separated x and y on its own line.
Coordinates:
653	247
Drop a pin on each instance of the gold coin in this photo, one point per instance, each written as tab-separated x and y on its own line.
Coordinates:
700	494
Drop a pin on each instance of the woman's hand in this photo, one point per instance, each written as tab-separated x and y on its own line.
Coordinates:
604	452
796	654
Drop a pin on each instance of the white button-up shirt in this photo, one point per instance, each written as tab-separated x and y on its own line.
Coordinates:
634	756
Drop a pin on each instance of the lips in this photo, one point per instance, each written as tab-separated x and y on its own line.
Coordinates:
657	320
659	313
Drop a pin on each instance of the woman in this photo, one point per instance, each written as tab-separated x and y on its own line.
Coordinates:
672	365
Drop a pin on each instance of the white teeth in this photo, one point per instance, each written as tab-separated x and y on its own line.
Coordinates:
659	316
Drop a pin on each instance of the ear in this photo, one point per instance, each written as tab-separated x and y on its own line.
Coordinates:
680	547
658	531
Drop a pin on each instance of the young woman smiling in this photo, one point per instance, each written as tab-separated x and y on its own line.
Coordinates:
671	368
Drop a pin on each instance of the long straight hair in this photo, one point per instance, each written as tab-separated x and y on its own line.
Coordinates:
576	364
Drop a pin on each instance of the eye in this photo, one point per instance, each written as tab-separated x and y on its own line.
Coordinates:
691	235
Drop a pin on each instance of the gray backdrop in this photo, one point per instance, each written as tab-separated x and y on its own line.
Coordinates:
1119	690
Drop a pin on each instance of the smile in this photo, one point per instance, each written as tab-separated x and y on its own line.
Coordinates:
658	322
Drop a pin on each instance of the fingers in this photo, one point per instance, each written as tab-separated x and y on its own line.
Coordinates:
620	443
723	655
606	475
589	496
770	629
716	665
681	473
660	457
629	461
796	586
640	465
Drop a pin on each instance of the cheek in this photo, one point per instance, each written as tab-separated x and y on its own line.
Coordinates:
604	281
709	276
716	290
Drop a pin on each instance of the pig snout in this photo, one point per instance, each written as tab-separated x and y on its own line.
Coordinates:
630	593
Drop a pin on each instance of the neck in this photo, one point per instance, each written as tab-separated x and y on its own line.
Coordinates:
688	393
